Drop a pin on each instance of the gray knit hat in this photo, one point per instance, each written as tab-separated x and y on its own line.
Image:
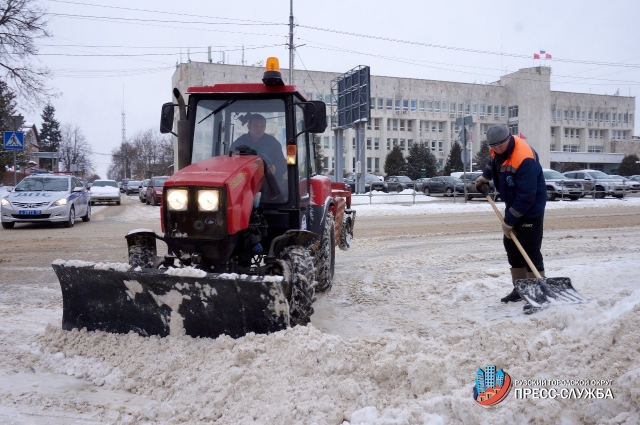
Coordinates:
497	134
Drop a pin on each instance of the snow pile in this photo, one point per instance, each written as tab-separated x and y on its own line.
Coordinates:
304	376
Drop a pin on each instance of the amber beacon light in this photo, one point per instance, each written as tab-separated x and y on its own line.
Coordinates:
272	75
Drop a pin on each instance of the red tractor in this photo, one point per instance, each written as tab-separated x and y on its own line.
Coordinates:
251	227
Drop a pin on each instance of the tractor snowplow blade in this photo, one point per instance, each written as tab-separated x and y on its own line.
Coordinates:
115	298
541	293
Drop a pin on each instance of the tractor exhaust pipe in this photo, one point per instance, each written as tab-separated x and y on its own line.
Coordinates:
184	145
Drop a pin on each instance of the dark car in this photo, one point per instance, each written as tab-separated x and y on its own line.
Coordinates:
123	185
371	182
142	192
154	189
446	185
397	184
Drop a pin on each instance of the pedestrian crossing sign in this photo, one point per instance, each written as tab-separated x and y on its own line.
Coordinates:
14	140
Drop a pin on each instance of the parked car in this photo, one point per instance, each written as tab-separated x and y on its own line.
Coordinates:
371	182
142	193
155	188
635	178
446	185
133	186
105	191
46	198
397	184
598	183
123	185
632	186
473	192
418	184
560	186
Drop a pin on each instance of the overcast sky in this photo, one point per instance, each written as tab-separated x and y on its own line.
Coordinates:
107	56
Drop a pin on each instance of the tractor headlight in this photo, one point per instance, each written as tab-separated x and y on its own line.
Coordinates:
60	202
208	200
177	199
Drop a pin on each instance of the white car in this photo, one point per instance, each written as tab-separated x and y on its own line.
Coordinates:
46	198
105	191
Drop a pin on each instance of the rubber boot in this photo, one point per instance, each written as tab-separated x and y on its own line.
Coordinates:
516	273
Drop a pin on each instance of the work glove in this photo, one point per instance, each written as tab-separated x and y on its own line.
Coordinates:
506	229
482	184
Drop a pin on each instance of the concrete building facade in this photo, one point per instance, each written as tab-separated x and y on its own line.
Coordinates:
562	127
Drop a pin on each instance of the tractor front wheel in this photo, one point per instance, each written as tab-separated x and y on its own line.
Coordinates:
325	255
302	282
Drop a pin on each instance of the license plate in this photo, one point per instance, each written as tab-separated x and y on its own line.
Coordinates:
29	212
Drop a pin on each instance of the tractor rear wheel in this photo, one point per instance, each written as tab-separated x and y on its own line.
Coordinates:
325	257
302	280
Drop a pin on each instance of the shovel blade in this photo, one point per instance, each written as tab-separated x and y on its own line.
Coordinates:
541	293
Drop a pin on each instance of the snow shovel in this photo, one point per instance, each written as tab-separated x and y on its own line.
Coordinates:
541	292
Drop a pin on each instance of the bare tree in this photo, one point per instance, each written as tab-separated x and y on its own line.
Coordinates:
22	22
148	154
75	150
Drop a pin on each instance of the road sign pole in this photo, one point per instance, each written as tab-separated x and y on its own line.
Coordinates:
15	180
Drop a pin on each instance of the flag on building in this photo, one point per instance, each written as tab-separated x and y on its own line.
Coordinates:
522	136
547	56
536	56
542	52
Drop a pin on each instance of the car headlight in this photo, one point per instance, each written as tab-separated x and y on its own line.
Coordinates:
177	199
558	183
4	202
208	200
60	202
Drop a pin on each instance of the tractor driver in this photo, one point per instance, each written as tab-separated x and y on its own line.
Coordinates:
266	146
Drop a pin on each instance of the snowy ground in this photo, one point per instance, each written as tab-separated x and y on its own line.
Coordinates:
413	313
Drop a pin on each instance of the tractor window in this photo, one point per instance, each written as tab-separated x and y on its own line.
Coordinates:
303	166
256	124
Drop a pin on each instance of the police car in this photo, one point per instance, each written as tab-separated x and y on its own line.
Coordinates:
46	198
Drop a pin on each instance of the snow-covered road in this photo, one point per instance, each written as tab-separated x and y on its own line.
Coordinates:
413	314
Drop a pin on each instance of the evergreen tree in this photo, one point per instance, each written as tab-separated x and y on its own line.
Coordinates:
482	157
395	164
421	158
571	166
7	111
629	165
50	135
454	162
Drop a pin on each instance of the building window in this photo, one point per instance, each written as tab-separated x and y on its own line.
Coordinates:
389	103
421	105
433	145
376	123
437	106
405	105
429	106
558	114
570	148
326	143
467	108
460	109
397	104
553	132
409	125
372	103
433	126
380	103
376	143
474	109
595	149
413	105
388	124
566	133
452	108
409	143
440	127
388	144
590	117
482	109
395	142
513	112
502	111
369	125
377	165
552	147
553	114
566	115
444	107
583	115
394	124
369	143
513	129
402	145
402	126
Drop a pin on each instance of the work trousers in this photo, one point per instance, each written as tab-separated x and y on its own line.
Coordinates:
529	234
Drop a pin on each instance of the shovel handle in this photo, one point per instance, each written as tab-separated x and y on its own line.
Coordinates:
515	240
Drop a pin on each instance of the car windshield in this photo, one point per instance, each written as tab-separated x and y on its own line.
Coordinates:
134	183
104	183
452	179
404	179
553	175
160	182
599	175
43	184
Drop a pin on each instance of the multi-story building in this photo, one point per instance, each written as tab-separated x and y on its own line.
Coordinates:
562	127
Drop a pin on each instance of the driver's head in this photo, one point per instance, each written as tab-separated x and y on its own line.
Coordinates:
257	125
